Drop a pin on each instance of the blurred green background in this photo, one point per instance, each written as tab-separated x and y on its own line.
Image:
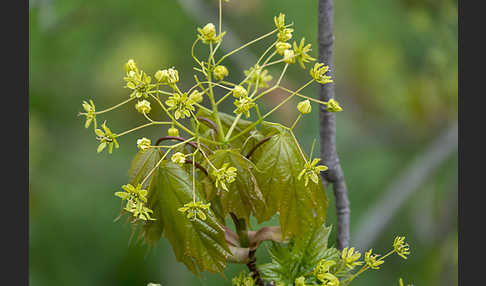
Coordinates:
395	75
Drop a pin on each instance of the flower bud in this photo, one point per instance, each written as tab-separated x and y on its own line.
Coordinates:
173	76
143	144
196	96
304	107
239	91
281	47
209	31
220	72
178	158
161	75
289	57
143	106
333	106
130	66
279	21
173	132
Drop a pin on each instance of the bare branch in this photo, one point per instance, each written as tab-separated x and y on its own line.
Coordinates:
334	175
379	216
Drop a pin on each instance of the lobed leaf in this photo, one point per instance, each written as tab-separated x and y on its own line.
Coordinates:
280	163
195	242
299	256
243	196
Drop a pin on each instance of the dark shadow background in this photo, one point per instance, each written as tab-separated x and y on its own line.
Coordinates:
395	75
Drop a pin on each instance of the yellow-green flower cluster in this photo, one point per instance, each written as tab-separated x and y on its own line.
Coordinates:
106	138
333	106
196	96
311	171
182	104
220	72
239	91
137	80
323	274
372	260
318	73
207	34
281	47
243	106
143	106
256	75
195	210
144	144
289	57
90	113
301	52
350	258
224	175
401	247
178	158
167	76
136	198
284	34
304	107
173	132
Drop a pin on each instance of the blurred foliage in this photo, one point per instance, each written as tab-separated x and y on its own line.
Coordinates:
395	73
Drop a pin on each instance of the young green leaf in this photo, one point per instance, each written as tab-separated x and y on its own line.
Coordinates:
195	242
243	196
142	164
299	256
280	163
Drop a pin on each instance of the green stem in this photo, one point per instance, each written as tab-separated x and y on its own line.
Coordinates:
113	107
241	230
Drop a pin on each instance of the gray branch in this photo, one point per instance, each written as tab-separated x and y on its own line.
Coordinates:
334	175
380	215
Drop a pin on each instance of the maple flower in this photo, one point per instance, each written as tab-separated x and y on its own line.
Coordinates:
401	247
182	104
350	257
224	175
143	106
256	74
136	199
178	158
279	21
139	82
318	73
107	138
244	105
239	91
281	47
285	34
130	65
322	268
311	171
143	144
301	52
304	107
207	34
220	72
289	57
195	210
333	106
173	132
372	261
90	113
